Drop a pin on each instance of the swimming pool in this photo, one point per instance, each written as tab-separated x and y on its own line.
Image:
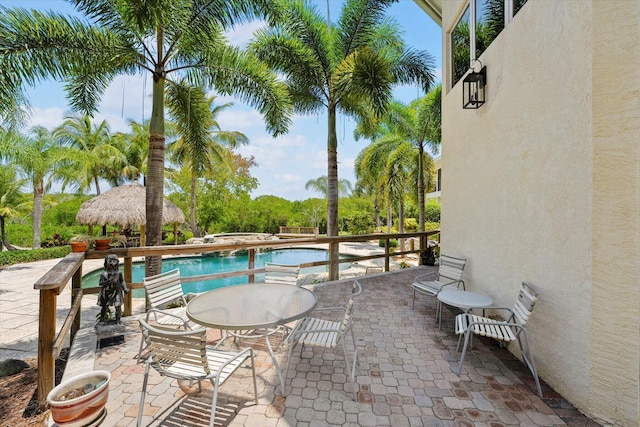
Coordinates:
199	265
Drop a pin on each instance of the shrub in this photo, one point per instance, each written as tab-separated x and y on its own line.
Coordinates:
53	241
432	212
393	243
18	257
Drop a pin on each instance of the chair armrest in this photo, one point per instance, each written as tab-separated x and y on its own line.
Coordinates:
330	308
157	311
509	309
242	354
517	325
433	274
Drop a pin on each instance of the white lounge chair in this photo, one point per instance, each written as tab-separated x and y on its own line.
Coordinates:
318	332
185	355
512	329
449	273
161	292
281	273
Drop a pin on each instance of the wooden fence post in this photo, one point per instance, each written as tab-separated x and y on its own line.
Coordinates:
76	284
46	337
252	263
128	278
386	254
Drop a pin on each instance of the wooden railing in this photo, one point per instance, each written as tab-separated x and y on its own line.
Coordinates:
69	270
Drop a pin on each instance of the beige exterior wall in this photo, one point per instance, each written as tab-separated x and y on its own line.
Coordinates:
543	184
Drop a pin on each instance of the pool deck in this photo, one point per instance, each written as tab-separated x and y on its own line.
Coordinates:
405	374
19	302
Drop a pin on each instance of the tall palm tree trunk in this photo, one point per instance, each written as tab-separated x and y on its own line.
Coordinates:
155	176
192	207
332	189
38	190
421	187
3	233
96	181
401	223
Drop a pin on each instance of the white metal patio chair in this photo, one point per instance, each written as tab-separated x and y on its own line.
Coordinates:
449	273
281	273
162	291
185	355
512	329
318	332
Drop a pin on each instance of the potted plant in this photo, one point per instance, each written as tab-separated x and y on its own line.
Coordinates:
102	243
80	243
80	400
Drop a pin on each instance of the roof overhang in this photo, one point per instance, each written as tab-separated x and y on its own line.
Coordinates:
433	8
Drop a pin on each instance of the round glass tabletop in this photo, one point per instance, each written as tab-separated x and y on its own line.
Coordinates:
251	306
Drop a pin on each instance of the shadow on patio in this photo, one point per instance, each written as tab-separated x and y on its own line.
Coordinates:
405	375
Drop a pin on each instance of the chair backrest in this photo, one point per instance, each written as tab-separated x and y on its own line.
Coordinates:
451	268
186	349
356	289
524	304
281	274
163	289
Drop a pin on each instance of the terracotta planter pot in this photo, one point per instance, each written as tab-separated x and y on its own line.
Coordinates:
80	400
102	244
79	246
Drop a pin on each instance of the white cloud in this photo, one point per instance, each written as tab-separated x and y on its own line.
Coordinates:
50	118
241	35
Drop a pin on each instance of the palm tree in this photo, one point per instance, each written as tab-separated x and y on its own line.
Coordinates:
89	151
347	67
38	157
136	148
202	142
163	38
11	199
321	185
397	178
419	125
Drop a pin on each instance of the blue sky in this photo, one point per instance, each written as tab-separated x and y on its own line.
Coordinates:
285	163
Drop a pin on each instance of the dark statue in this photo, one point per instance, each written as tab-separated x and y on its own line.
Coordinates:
112	288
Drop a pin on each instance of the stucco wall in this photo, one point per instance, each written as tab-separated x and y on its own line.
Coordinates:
615	303
528	189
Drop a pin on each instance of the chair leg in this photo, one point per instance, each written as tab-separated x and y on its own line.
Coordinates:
255	384
464	350
413	304
351	371
142	396
527	356
140	349
214	401
292	344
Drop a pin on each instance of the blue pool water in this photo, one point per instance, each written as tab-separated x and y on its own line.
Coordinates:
198	265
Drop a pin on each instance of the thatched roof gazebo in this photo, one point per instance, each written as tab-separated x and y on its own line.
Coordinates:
125	205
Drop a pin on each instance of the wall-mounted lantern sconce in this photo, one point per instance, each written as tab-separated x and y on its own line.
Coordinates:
473	93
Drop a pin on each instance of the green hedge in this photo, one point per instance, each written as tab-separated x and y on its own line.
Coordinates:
18	257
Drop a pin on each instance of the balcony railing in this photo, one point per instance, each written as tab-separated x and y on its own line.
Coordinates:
69	269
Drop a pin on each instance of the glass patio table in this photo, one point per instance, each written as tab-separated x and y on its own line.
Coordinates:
259	306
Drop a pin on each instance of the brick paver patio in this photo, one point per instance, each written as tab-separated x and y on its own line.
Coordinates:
405	376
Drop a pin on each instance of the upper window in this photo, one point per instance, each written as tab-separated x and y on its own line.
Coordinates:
460	47
468	41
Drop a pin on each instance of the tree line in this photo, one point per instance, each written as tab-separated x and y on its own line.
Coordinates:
298	64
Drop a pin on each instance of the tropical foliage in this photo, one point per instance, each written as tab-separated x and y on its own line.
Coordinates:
168	39
396	160
348	66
